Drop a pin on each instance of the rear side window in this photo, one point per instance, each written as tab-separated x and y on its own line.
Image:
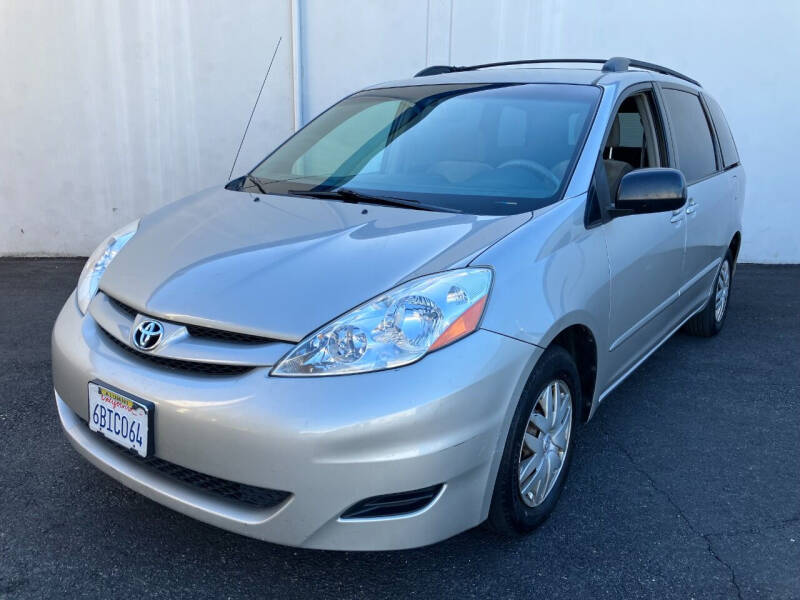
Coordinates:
696	157
726	145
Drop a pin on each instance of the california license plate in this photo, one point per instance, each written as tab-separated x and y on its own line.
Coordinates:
122	418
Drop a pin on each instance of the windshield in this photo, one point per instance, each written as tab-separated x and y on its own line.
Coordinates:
480	149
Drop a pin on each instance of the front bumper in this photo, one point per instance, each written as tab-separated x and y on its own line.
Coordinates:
329	441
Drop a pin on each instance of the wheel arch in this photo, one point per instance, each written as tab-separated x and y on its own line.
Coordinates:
735	246
580	342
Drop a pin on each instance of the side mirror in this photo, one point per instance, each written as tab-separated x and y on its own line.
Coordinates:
650	191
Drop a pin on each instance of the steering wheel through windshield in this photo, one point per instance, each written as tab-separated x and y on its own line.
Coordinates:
536	167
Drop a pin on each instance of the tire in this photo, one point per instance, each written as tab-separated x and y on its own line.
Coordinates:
510	513
708	322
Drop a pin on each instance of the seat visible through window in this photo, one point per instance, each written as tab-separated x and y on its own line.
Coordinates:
629	145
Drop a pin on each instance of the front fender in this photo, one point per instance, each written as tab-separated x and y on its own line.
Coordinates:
550	274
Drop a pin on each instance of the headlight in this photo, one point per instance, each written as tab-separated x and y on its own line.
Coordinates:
394	329
98	262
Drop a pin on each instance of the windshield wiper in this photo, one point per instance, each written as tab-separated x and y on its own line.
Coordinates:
348	195
254	181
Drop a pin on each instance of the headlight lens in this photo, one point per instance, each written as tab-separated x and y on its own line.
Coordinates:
98	262
396	328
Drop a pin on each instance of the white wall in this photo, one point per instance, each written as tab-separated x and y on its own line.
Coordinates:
128	105
109	109
744	54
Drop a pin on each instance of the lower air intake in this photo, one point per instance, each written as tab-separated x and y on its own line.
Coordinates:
229	490
393	505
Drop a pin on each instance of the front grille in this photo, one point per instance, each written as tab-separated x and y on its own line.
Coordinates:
128	310
199	331
230	490
226	336
181	365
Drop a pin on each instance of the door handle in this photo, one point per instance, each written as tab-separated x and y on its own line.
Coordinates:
691	207
677	215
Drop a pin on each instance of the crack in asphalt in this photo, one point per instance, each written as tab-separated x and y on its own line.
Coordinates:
706	537
755	530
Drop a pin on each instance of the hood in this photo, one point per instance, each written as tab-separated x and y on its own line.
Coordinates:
283	266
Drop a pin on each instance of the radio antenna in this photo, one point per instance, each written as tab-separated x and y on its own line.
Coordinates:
269	68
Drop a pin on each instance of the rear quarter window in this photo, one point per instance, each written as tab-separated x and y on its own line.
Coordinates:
727	146
692	135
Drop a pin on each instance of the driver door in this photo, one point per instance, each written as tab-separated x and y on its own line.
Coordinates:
645	251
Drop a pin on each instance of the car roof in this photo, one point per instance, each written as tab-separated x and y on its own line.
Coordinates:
552	75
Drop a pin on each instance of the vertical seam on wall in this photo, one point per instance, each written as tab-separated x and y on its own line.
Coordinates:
297	74
428	35
450	37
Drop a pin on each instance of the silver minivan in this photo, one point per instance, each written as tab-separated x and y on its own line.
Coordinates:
393	328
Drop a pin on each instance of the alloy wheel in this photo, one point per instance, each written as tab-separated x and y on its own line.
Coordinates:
545	443
722	289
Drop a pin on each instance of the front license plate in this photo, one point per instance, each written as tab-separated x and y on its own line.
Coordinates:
122	418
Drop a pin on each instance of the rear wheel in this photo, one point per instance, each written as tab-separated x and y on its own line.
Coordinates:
709	321
538	451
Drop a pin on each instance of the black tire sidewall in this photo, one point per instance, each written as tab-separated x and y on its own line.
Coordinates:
509	514
717	325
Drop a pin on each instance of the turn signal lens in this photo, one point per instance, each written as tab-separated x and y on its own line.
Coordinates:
463	325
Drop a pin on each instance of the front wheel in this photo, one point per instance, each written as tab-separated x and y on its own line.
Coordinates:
709	321
537	453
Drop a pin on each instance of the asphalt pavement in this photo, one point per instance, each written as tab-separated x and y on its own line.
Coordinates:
685	485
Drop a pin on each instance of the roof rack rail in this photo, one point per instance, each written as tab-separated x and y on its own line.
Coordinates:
438	69
617	64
